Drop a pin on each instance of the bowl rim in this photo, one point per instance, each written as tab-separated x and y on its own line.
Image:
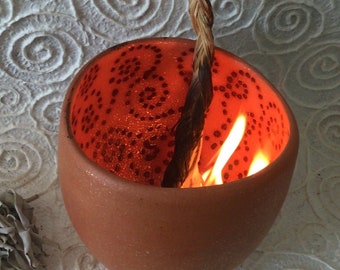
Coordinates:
288	153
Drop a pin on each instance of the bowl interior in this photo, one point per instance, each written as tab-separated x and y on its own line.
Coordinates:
126	102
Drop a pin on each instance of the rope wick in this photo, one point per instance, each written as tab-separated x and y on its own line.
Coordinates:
183	168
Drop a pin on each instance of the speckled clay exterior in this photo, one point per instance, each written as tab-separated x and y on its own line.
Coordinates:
128	225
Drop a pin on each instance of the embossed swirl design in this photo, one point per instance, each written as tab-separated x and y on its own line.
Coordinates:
287	25
14	98
123	20
43	48
316	74
127	13
46	111
6	11
81	258
283	261
323	132
317	239
295	43
232	16
25	161
323	193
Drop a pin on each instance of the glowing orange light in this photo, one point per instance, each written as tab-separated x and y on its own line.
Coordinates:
213	176
259	162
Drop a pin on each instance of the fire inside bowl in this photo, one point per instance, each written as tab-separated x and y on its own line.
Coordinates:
117	128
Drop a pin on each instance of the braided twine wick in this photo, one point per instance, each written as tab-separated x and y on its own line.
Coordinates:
183	168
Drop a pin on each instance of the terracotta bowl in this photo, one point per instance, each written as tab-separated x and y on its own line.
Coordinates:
116	138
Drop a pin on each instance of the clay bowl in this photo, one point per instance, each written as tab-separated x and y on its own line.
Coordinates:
116	138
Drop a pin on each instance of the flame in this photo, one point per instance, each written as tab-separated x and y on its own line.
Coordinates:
213	176
259	162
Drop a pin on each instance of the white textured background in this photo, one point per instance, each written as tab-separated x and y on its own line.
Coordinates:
296	44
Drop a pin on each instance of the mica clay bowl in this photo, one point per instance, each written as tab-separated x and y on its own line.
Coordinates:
117	136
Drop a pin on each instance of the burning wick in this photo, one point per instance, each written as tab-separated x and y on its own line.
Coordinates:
182	170
214	175
183	167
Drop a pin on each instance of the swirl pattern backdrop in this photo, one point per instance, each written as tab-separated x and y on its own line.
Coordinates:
295	44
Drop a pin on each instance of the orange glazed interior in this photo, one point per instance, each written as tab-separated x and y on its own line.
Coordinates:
124	110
